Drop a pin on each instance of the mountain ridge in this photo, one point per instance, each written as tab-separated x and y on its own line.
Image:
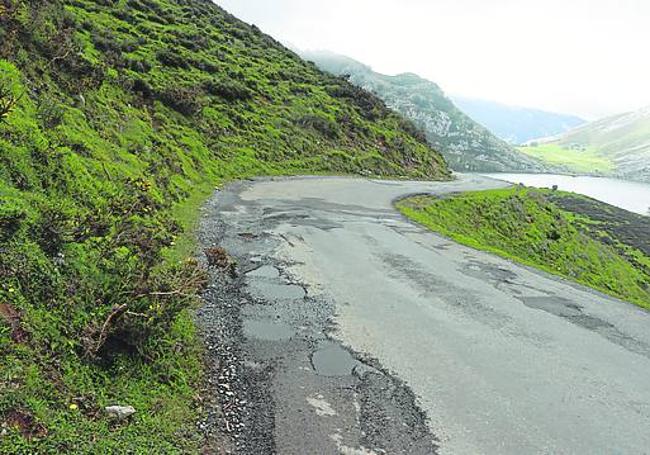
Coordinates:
621	142
466	145
517	124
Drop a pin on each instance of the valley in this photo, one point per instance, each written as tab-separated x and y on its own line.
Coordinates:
517	125
583	161
614	146
215	243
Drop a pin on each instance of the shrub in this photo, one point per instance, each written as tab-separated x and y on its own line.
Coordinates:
320	124
412	130
229	90
146	312
54	227
10	93
142	87
173	59
49	112
370	106
186	100
11	219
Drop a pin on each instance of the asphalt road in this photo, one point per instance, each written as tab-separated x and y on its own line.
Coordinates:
381	337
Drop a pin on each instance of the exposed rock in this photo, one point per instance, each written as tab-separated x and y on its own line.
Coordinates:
120	412
465	144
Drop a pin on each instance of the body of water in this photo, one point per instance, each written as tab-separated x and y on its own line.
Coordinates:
632	196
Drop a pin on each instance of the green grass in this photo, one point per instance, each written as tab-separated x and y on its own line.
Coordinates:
128	114
581	161
527	226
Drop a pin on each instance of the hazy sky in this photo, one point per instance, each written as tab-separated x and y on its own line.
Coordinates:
586	57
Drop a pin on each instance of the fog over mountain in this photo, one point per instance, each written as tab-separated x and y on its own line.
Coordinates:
465	144
579	57
516	124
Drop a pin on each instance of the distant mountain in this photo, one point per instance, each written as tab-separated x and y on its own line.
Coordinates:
621	142
465	144
516	125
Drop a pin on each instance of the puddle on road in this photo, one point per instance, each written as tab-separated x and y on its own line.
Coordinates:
267	330
269	290
265	283
266	271
332	360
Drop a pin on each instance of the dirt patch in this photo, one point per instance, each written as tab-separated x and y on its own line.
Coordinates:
218	257
25	423
13	318
626	227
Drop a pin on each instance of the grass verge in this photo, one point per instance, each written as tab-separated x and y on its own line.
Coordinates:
568	235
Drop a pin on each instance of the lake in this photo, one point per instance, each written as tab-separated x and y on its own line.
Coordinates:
632	196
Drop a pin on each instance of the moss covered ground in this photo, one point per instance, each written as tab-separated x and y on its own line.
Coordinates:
117	119
568	235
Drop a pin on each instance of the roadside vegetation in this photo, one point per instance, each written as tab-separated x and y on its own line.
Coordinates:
117	120
579	160
569	235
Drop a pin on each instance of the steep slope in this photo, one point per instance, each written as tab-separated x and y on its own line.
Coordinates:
466	145
117	118
621	144
516	125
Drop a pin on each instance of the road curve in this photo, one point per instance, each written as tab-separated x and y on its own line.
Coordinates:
502	359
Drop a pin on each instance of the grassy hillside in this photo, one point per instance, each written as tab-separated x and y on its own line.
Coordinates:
618	145
582	161
117	118
466	145
565	234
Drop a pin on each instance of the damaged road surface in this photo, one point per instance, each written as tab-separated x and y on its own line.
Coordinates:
346	329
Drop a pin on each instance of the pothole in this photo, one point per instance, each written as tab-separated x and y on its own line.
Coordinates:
266	271
332	360
270	290
554	305
265	283
267	330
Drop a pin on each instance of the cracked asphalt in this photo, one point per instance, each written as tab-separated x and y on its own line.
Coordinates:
348	329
